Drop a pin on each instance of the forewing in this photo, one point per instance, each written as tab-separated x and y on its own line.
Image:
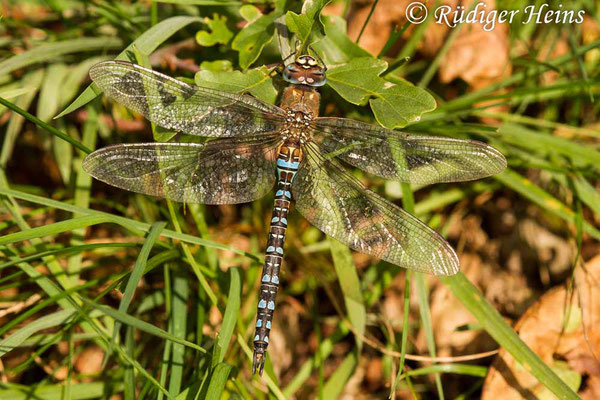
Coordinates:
217	172
189	109
415	159
339	205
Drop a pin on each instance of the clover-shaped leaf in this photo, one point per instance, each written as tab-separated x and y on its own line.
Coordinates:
394	105
219	32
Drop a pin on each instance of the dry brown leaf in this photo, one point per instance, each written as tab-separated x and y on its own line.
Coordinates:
89	361
553	334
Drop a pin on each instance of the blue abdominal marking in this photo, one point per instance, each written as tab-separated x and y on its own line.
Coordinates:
262	303
259	323
275	280
271	305
268	325
285	164
266	278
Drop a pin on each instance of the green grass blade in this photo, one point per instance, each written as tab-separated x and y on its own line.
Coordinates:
137	272
179	316
144	326
422	294
540	197
48	321
44	125
351	288
128	223
79	391
231	314
218	380
49	51
338	380
53	229
146	43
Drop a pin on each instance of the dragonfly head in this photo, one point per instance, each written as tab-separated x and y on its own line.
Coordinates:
305	71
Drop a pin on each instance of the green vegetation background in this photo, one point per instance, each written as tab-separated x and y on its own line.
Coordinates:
182	327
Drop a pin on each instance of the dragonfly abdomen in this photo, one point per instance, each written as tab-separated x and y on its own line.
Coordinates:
288	162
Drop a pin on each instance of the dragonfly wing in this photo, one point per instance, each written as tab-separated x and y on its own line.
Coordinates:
217	172
339	205
185	108
408	158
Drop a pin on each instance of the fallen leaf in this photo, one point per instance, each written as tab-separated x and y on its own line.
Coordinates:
557	328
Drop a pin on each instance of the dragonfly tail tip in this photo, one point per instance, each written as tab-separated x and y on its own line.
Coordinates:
258	363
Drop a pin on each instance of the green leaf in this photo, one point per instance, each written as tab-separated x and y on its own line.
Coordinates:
251	40
216	66
336	47
393	105
49	51
258	82
219	33
146	43
307	22
250	13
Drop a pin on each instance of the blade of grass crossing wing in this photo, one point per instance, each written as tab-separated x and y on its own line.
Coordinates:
146	43
350	284
230	317
137	273
422	293
494	324
179	317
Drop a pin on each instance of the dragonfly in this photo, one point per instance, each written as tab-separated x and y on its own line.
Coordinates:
253	145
